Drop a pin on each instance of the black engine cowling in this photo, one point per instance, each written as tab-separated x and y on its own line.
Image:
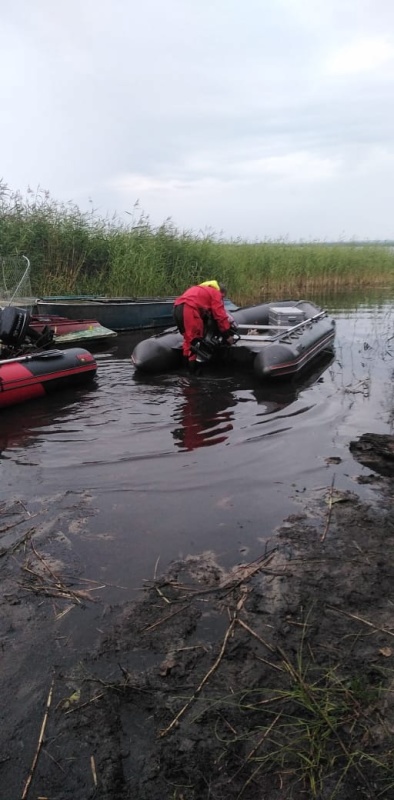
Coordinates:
15	330
14	324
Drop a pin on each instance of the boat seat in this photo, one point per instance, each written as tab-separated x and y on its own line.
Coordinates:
14	323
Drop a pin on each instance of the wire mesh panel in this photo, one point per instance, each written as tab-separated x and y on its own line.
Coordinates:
15	286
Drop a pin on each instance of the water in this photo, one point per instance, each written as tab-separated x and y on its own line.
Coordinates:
133	472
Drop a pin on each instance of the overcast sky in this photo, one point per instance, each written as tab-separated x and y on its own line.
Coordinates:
248	118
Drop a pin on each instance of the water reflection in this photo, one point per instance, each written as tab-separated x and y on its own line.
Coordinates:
23	425
203	418
277	395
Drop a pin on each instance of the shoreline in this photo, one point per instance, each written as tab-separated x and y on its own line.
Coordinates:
272	679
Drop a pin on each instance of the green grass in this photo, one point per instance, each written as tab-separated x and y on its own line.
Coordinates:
313	731
77	252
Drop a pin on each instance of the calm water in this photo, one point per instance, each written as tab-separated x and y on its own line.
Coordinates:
132	470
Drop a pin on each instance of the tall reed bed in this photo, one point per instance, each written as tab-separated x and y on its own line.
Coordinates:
76	252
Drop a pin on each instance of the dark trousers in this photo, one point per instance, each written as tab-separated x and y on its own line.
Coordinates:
177	314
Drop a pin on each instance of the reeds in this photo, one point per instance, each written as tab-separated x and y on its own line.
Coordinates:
75	252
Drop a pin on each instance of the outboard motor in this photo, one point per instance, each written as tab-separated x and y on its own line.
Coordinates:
16	333
206	347
14	324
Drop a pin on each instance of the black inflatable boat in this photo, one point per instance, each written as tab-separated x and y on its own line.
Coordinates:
274	339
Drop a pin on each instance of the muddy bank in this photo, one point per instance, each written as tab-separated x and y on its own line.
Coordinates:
273	680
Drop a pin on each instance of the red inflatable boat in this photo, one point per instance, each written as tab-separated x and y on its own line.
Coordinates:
38	374
27	372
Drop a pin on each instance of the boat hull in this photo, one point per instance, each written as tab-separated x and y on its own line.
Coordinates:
118	314
39	374
278	354
67	330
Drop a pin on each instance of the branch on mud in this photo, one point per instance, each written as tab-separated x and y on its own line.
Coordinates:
210	671
324	534
361	619
165	619
40	740
26	536
49	584
241	574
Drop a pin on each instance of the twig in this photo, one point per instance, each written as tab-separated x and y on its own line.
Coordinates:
17	544
255	749
360	619
155	569
324	534
160	593
14	524
253	633
247	570
59	589
83	705
44	563
203	682
164	619
93	767
40	740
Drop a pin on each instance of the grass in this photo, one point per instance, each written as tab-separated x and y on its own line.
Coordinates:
313	731
76	252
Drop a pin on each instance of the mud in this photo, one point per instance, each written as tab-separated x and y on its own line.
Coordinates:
272	680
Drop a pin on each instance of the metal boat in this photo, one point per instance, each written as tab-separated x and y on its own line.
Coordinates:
116	313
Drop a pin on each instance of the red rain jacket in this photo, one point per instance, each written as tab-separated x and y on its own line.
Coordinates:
206	298
197	301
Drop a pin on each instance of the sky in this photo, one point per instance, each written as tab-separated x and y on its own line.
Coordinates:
250	119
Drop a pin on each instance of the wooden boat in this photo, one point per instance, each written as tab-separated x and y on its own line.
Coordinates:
68	330
27	372
115	313
275	339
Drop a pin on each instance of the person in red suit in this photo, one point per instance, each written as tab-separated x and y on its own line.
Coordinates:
194	307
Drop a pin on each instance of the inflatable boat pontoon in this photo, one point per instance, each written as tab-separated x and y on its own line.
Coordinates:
275	339
27	372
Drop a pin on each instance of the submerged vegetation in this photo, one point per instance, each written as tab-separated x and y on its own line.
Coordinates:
80	252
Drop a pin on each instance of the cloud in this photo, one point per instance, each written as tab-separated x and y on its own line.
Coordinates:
199	108
361	56
293	168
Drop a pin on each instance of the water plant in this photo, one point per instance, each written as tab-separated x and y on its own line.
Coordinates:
81	252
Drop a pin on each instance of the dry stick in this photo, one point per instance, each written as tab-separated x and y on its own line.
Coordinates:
324	534
203	682
83	705
360	619
14	524
77	594
254	751
17	544
93	767
253	633
44	563
155	569
259	639
160	593
232	583
164	619
40	740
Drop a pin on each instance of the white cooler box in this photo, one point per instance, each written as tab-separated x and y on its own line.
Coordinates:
285	315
